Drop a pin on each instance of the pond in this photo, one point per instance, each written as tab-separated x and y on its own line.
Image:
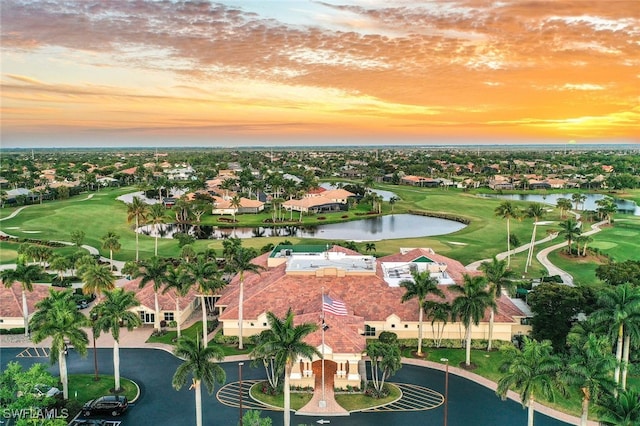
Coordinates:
624	206
369	229
386	195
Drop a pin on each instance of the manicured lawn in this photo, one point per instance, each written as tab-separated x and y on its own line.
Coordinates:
298	400
195	331
83	388
350	402
360	401
582	269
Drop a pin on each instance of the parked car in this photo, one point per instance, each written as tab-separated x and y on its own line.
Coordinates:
46	391
82	304
109	404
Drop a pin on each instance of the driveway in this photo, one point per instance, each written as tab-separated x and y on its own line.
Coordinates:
160	404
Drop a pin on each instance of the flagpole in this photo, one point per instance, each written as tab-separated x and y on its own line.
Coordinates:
323	401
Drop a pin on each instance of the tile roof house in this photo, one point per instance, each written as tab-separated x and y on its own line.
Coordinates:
166	303
297	277
11	312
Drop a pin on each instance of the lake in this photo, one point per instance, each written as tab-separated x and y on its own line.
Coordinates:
367	229
624	206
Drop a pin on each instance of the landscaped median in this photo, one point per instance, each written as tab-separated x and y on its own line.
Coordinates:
349	400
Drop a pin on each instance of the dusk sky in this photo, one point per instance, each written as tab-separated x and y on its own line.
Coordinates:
272	72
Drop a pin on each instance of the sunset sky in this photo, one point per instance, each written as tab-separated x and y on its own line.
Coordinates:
272	72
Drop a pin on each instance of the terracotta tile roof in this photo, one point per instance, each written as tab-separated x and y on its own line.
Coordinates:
167	301
11	299
343	334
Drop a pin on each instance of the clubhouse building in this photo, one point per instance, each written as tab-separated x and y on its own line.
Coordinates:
298	277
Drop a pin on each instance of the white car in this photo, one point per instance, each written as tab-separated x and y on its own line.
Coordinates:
42	391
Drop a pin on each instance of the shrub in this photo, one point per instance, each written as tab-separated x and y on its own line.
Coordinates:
388	337
12	331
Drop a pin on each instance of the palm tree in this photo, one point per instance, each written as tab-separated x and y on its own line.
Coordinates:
508	211
440	312
57	317
619	307
137	211
154	271
564	204
532	371
111	242
421	286
157	217
584	240
285	342
240	263
205	275
621	410
589	367
180	282
578	199
499	278
370	246
200	363
606	207
570	229
97	279
26	275
60	264
112	313
392	201
235	203
470	305
534	211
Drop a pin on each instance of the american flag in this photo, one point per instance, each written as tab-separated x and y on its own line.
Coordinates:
333	306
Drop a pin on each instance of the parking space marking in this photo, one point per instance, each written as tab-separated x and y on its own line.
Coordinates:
229	395
34	352
414	398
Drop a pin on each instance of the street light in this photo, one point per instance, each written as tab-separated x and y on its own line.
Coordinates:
446	388
240	364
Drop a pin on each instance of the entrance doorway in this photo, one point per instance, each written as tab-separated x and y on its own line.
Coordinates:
330	369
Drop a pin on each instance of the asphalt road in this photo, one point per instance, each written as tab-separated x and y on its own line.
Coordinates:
470	404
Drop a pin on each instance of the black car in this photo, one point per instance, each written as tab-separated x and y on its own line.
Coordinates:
92	422
110	404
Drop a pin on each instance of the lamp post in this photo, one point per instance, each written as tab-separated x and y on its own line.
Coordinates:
240	364
446	388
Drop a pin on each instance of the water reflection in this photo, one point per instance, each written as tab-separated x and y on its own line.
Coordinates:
624	206
375	228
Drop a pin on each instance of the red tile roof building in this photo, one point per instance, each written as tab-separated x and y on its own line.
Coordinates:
297	278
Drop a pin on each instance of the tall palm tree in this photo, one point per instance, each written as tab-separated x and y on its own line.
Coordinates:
205	275
578	198
112	313
60	264
589	367
240	263
564	204
470	305
26	275
137	211
499	278
236	203
392	201
111	242
618	307
421	286
157	217
533	371
621	410
58	317
508	211
199	361
180	282
534	211
97	279
285	342
440	312
570	229
153	270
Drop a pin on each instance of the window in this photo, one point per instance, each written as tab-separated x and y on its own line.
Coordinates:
406	326
369	331
168	316
264	324
393	326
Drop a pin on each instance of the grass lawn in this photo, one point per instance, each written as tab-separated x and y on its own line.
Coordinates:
87	389
359	401
298	400
195	330
583	269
